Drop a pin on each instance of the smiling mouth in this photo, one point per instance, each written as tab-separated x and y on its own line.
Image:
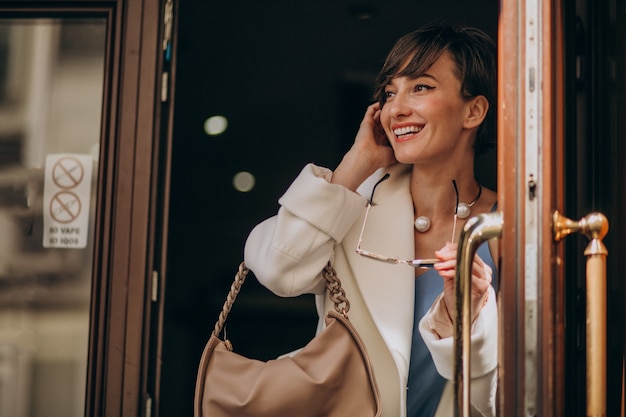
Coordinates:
403	132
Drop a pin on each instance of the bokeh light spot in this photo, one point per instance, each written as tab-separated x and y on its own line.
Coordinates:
243	181
215	125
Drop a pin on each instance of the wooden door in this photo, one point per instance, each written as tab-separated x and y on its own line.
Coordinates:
561	85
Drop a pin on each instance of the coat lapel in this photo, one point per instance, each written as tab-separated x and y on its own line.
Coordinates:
388	289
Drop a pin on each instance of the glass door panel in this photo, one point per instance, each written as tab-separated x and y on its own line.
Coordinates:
51	93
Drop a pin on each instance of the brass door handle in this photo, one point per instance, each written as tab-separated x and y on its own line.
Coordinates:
595	226
477	230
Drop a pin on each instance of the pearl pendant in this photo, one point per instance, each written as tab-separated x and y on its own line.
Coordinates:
422	224
463	210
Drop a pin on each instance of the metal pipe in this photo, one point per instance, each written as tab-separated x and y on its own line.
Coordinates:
595	226
477	230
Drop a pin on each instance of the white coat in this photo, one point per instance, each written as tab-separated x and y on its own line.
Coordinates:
319	221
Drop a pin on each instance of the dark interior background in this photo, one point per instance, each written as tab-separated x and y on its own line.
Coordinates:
293	78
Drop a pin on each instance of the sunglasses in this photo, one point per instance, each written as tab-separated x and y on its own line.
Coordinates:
418	263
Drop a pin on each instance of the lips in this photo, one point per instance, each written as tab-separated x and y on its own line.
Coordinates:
405	132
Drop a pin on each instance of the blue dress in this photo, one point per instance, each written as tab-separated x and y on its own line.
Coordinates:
425	385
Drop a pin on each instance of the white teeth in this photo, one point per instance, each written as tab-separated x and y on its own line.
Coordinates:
408	129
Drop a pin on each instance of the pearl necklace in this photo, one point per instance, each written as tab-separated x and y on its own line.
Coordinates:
463	210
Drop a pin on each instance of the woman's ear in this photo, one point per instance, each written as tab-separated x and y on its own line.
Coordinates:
477	111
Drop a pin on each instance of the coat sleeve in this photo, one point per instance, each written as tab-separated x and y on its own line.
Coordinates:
483	353
287	252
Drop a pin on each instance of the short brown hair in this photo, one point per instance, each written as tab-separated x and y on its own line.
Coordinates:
473	52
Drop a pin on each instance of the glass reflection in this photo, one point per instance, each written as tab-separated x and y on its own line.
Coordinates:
51	83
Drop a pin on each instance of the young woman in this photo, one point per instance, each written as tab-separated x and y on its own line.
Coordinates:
403	191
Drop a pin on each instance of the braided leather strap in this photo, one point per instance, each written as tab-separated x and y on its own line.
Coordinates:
333	284
240	277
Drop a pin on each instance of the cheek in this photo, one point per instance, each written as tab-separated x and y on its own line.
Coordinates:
449	109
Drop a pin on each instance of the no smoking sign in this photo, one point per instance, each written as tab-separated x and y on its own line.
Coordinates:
67	191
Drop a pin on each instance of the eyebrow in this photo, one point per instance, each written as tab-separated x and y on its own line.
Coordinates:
427	75
424	75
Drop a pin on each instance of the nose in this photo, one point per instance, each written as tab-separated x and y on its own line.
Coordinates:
399	106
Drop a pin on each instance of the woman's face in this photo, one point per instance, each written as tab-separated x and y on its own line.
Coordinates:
424	117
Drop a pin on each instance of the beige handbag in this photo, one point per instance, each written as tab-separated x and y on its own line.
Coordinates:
330	377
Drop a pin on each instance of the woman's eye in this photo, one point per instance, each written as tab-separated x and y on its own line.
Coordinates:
422	87
389	94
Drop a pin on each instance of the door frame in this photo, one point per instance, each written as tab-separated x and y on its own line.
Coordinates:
531	137
125	294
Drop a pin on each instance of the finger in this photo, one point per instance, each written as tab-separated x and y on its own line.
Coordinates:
481	270
451	246
376	118
372	109
445	265
446	253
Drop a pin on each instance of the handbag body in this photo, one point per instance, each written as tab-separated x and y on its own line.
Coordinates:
331	376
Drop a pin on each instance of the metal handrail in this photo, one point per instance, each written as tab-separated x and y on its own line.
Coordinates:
477	230
595	226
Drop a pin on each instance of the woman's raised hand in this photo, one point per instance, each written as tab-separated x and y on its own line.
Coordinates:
371	150
371	137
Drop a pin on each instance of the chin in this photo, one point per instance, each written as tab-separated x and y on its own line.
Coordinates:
405	159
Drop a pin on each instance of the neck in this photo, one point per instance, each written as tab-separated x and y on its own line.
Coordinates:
435	195
442	206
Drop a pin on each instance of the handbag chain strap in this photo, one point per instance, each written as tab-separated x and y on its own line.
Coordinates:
335	291
333	284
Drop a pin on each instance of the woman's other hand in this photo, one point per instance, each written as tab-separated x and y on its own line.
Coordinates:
481	279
